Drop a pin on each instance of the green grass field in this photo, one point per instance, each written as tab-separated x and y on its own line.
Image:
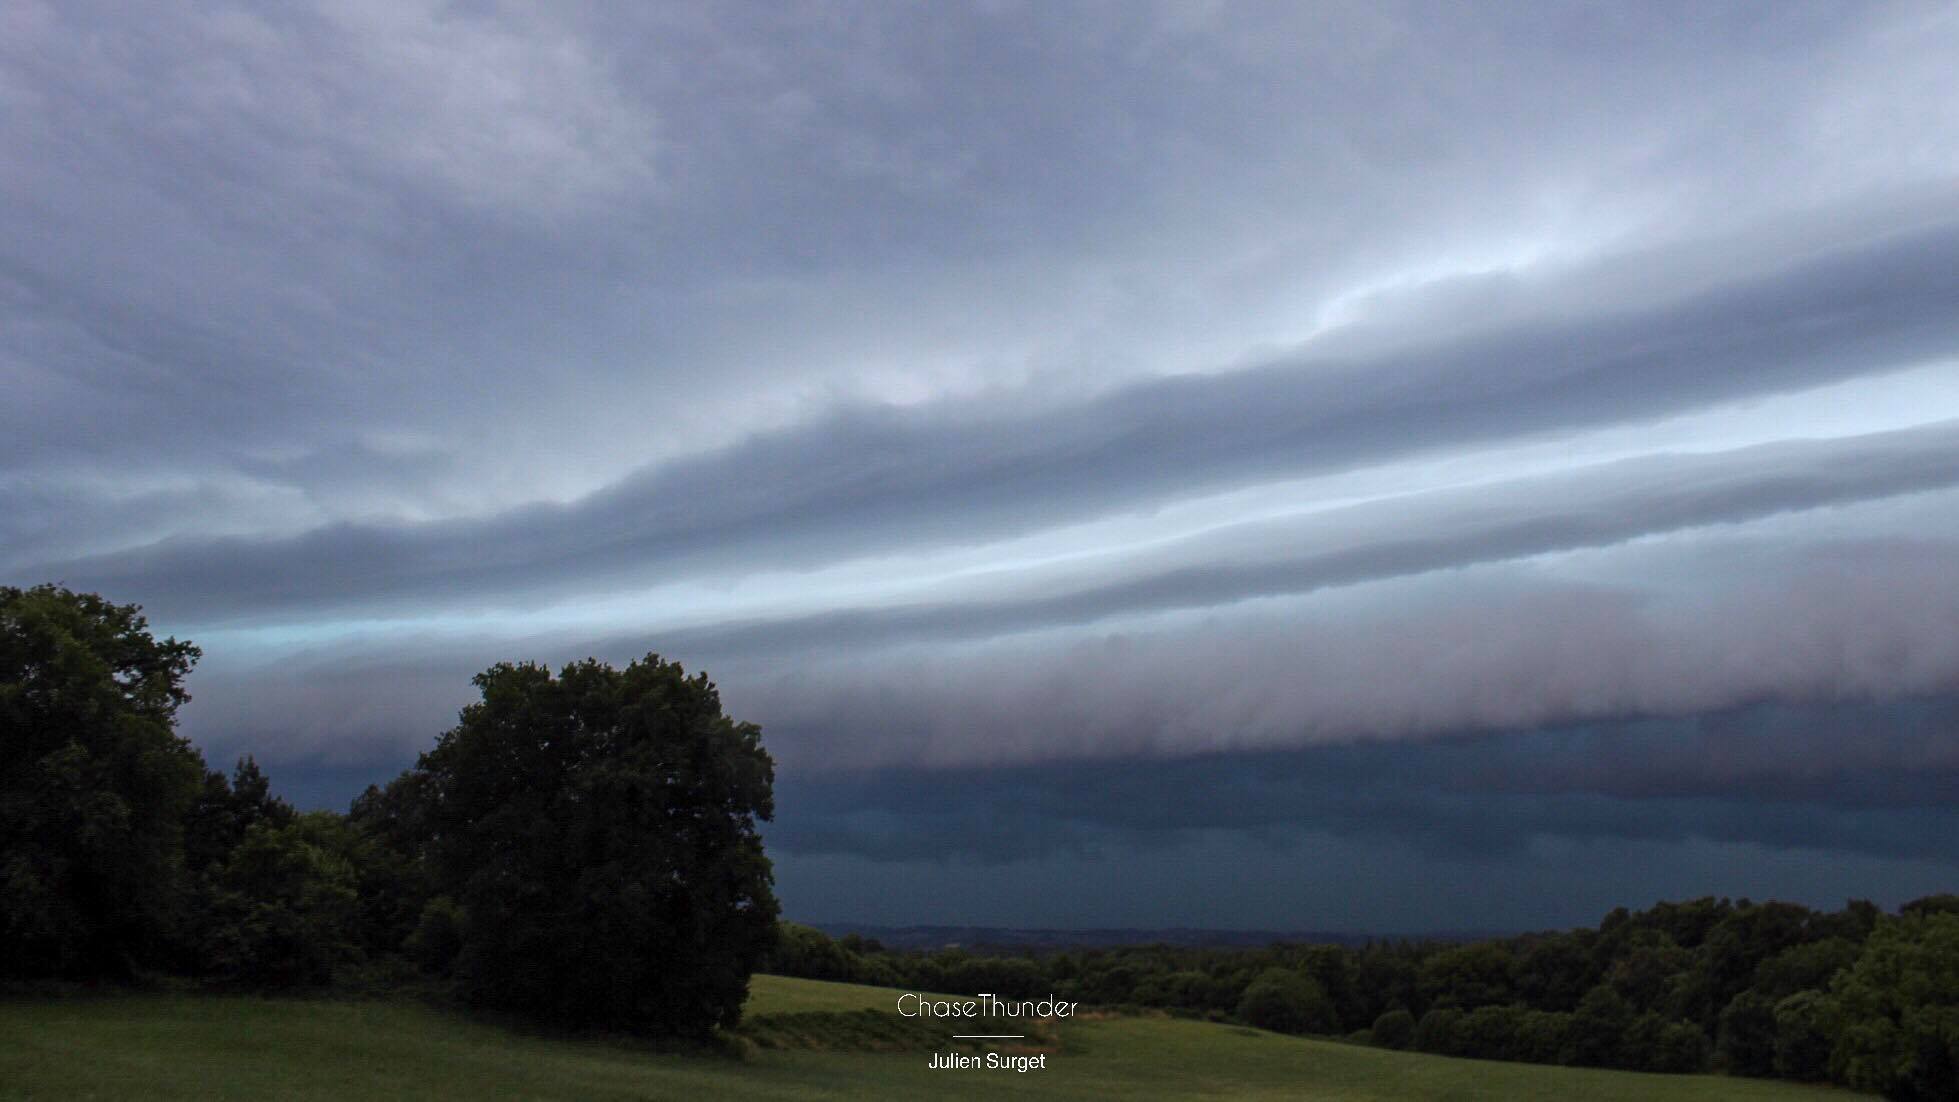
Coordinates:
198	1046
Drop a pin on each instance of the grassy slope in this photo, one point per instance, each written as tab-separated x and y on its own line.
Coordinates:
210	1047
782	995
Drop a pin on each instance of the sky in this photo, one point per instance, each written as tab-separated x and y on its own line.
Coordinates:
1364	467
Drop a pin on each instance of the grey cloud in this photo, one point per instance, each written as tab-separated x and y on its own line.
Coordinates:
952	473
1483	649
340	714
1404	535
1729	619
253	230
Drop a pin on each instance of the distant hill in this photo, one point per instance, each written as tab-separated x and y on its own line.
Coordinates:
1019	939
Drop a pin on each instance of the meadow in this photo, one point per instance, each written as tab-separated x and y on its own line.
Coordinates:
806	1039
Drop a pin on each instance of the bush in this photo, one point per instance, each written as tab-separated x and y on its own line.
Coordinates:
1394	1029
1543	1036
1439	1031
438	936
807	952
281	912
1677	1048
1186	989
1285	1001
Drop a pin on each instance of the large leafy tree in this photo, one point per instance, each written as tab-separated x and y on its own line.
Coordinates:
1899	1006
598	830
94	785
280	911
225	810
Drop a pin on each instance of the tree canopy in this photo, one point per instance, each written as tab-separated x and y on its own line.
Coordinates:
598	831
94	785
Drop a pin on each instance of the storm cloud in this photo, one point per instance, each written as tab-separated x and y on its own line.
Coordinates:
1086	437
1727	776
866	479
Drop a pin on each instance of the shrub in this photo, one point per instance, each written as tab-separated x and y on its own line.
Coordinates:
1543	1036
1286	1001
281	912
438	936
1439	1031
1684	1048
1394	1029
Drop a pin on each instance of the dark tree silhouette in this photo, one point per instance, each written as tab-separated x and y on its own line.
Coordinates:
94	785
598	831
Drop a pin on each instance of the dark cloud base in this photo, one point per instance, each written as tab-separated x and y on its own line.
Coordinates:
1309	881
1499	830
1874	779
1508	831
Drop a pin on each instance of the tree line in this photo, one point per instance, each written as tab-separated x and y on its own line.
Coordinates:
1855	996
580	849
